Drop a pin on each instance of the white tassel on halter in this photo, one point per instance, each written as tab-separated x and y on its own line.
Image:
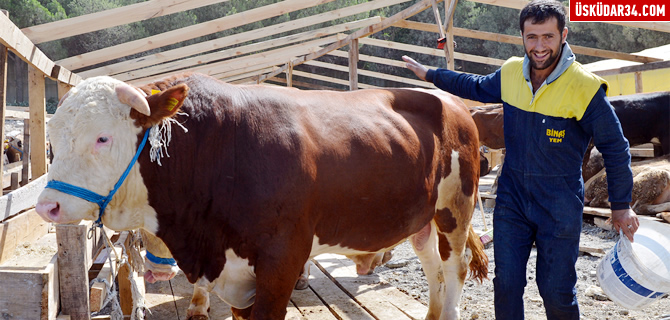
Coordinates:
160	137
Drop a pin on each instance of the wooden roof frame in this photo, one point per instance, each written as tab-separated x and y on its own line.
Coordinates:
218	57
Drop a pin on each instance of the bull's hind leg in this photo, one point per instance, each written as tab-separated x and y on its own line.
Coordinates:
426	248
448	257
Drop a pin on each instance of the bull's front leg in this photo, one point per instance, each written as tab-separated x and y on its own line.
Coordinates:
199	307
276	275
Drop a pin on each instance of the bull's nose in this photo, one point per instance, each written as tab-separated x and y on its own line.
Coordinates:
48	210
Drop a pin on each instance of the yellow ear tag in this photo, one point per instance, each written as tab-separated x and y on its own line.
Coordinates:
154	91
171	103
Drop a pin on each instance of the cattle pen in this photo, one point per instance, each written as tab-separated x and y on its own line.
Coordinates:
45	270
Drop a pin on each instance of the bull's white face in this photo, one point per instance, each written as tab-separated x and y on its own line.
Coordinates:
93	139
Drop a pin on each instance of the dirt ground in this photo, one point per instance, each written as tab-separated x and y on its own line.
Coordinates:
477	299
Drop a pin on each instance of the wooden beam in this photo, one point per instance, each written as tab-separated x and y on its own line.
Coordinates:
38	133
25	227
22	198
236	39
638	82
374	59
73	270
242	50
353	64
3	100
418	83
110	18
636	68
187	33
266	58
12	38
430	51
30	292
327	79
412	10
483	35
303	84
449	49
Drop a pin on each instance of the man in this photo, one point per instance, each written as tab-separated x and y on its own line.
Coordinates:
552	108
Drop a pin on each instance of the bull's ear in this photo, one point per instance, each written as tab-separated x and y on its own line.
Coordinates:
132	97
163	104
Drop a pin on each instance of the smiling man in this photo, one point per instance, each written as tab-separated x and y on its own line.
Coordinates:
552	108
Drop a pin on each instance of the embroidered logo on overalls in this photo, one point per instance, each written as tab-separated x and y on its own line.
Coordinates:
555	136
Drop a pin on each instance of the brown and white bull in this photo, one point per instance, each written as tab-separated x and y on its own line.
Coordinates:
254	180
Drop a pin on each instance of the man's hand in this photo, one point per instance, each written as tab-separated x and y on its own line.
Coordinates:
625	220
418	69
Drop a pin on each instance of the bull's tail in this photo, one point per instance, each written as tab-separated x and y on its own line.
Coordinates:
479	265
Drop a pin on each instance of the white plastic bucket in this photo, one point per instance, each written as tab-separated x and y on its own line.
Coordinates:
636	274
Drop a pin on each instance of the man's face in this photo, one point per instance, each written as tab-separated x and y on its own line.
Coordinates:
542	42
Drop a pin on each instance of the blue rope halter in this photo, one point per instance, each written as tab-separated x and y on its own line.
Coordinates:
91	196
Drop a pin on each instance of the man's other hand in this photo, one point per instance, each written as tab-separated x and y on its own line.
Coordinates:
625	220
418	69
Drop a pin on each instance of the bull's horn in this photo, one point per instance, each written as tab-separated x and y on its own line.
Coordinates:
128	95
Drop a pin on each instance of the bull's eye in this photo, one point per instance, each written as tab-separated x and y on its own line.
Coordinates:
103	140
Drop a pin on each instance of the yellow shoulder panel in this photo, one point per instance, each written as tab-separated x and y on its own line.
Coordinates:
566	97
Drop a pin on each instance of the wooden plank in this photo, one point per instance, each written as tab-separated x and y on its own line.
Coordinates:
187	33
338	301
73	268
380	298
25	169
411	11
110	18
601	212
236	39
12	38
3	99
304	85
30	293
25	227
241	50
636	68
364	57
430	51
353	64
262	59
329	79
309	304
38	132
21	199
374	74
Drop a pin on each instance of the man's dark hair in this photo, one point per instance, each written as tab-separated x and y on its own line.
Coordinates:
541	10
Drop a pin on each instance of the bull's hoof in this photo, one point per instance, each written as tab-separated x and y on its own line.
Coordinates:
302	284
198	317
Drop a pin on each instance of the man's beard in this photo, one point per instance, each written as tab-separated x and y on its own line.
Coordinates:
546	64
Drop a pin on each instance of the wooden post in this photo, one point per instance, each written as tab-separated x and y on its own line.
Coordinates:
353	64
438	20
289	74
25	173
14	182
63	88
638	82
3	93
449	21
73	270
38	136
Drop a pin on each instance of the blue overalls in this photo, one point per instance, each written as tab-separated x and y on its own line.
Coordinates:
540	195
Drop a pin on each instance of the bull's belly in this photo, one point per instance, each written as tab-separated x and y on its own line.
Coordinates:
318	249
236	285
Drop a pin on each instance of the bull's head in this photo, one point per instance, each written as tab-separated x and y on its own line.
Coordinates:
94	134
